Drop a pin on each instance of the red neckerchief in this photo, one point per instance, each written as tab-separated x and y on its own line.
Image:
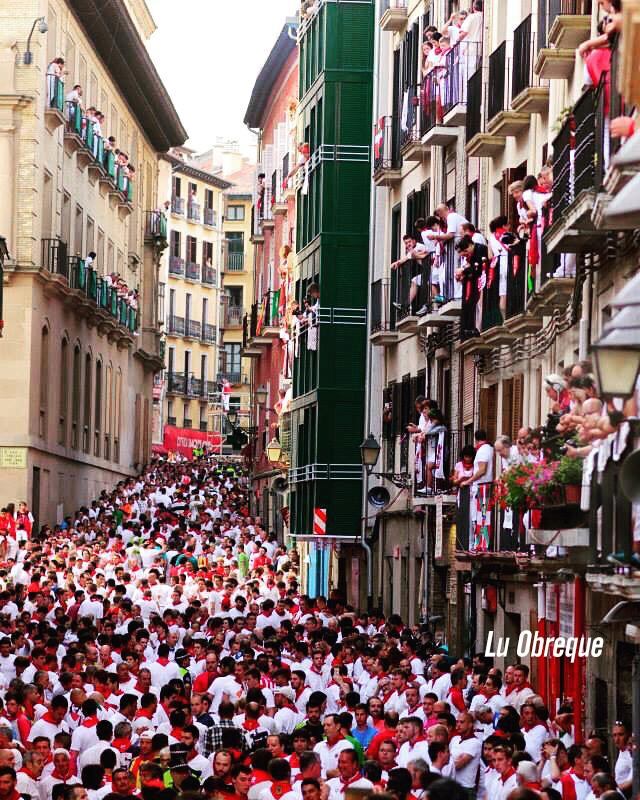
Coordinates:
279	788
339	738
162	661
351	780
145	713
60	777
259	776
504	778
121	745
411	711
508	691
27	771
90	722
294	761
250	725
139	688
528	728
48	717
176	733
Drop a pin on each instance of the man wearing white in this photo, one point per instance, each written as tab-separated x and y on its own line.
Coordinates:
348	776
466	749
415	745
331	747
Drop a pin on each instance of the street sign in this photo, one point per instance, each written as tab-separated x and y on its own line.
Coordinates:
319	521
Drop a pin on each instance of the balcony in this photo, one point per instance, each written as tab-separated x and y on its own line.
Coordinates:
209	333
432	128
278	193
210	218
461	62
54	110
529	93
555	282
234	262
73	128
85	156
172	421
234	378
501	121
411	145
209	275
386	153
107	179
479	144
177	206
262	213
394	15
192	271
250	349
96	168
571	23
175	326
578	169
382	332
176	383
176	266
519	318
411	293
231	316
193	212
433	462
192	329
88	294
155	228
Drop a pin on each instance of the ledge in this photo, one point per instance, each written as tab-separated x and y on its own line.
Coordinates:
451	309
439	136
408	324
508	123
394	20
499	335
619	585
523	323
532	100
574	231
570	30
414	149
387	177
555	64
571	537
485	145
434	320
384	338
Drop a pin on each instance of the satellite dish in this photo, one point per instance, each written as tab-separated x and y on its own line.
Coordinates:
630	476
378	496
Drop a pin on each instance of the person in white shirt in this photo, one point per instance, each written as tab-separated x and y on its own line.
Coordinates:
330	748
348	777
413	251
507	779
480	483
535	732
466	750
414	745
196	762
286	717
623	769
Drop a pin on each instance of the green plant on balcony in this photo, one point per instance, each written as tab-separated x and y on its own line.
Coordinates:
527	485
562	117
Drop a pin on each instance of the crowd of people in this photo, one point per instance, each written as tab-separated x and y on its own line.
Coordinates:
157	643
92	118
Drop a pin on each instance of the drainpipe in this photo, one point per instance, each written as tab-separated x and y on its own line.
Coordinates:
542	621
585	318
369	367
578	666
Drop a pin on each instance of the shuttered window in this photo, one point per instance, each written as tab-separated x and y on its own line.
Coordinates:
512	406
468	390
396	390
405	403
518	384
489	411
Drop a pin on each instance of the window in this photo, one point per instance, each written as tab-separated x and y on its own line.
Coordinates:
235	242
192	247
175	244
75	396
172	360
108	413
203	369
47	206
205	310
471	211
207	253
161	291
86	422
187	308
63	399
97	414
176	186
234	295
117	414
172	302
231	358
186	420
111	255
66	218
235	213
100	251
77	232
90	234
44	382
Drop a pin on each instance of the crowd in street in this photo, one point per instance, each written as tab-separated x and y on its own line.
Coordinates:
158	643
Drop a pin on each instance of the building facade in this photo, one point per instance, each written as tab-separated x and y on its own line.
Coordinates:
191	293
81	337
267	339
508	100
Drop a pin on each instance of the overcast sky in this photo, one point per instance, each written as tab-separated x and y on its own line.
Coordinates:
209	54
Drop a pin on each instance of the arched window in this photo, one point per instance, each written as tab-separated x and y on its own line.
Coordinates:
75	396
117	408
86	416
97	411
108	415
63	402
44	382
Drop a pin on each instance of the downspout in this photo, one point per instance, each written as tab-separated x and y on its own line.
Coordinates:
372	250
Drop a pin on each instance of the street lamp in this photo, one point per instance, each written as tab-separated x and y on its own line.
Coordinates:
617	358
41	22
369	450
274	451
261	395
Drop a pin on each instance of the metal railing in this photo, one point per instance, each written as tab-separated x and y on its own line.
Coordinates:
176	265
177	205
209	275
209	333
386	147
498	88
405	285
193	211
524	46
54	256
410	123
434	459
210	217
55	87
176	383
474	105
449	262
234	378
382	313
234	262
73	114
176	325
232	316
192	328
461	62
155	226
517	293
548	10
385	5
192	271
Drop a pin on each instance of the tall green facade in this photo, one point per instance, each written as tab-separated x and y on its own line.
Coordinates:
336	71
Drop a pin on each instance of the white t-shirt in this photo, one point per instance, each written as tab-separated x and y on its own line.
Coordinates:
454	221
466	776
472	26
484	455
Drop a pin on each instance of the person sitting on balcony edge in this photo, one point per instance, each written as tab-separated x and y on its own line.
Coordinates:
475	256
426	229
414	251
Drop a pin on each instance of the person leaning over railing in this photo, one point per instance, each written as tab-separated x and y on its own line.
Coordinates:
414	251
